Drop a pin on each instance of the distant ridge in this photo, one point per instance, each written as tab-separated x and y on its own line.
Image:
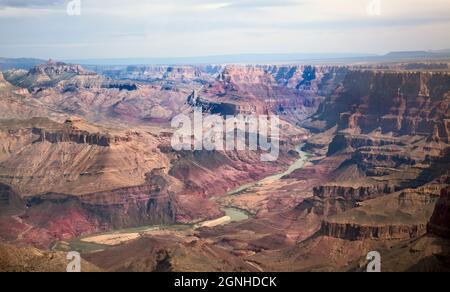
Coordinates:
409	54
222	59
418	55
252	59
19	63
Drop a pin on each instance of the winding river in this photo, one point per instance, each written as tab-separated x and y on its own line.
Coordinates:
89	244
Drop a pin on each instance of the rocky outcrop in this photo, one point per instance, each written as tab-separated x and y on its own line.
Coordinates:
66	78
295	92
69	132
10	202
402	103
355	232
55	217
333	199
440	222
54	69
128	86
79	137
371	158
320	79
400	216
352	193
5	86
31	260
345	141
224	108
135	206
325	207
183	74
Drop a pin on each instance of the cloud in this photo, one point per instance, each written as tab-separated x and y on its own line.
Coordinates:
31	3
209	27
261	3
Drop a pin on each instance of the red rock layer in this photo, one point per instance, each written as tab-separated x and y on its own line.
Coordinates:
360	232
403	103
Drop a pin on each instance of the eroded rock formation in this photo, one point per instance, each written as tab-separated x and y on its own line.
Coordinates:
440	222
402	103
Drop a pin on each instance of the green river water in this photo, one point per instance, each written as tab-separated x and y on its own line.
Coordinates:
235	214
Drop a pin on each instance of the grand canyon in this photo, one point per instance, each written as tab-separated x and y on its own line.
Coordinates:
86	165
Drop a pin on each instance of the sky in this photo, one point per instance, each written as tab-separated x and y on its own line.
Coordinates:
188	28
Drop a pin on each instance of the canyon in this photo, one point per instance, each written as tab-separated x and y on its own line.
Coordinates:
363	165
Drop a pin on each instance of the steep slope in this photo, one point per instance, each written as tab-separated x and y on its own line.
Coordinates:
65	158
428	253
382	159
168	254
13	259
439	224
73	90
292	92
168	74
402	103
395	225
386	187
76	178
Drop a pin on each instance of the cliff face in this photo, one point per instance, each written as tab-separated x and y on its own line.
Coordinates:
134	206
10	202
400	216
54	217
79	137
344	141
394	127
65	88
64	78
30	260
165	73
77	178
357	232
402	103
54	69
352	193
294	92
5	86
440	222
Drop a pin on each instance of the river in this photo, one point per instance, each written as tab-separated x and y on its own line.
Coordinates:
232	214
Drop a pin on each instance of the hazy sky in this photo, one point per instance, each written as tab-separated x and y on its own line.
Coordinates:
183	28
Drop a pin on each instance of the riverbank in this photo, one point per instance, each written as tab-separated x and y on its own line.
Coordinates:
233	213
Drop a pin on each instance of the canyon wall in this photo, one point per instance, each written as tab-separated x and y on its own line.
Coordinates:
440	222
354	232
402	103
293	92
79	137
398	216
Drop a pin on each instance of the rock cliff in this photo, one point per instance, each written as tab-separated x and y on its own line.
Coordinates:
440	222
402	103
293	92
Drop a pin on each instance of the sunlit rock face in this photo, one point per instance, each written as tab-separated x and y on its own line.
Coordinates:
402	103
293	92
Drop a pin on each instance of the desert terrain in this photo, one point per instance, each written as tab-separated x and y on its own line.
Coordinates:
86	164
